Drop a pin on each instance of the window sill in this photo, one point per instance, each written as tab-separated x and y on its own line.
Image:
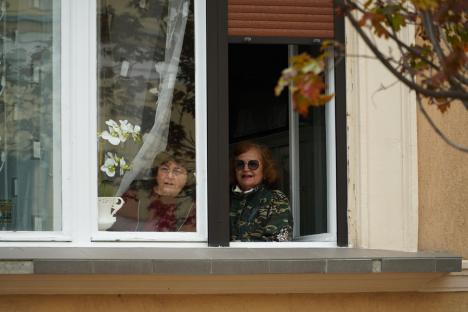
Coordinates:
221	261
221	270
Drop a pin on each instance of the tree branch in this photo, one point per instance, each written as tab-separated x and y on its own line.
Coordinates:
452	79
430	93
437	130
428	26
401	43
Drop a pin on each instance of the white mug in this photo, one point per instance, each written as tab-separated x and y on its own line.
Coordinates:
107	208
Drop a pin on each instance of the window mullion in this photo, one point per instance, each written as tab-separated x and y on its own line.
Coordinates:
83	106
218	122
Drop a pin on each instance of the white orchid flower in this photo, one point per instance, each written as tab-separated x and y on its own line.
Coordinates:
113	126
125	126
109	165
136	135
112	123
118	132
114	140
123	165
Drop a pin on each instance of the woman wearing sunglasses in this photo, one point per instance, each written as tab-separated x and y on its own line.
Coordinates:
258	211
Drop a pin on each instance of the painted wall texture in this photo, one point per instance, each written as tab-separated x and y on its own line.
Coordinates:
443	183
413	302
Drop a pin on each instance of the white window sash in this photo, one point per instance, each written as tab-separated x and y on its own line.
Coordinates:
79	136
331	146
61	173
200	145
330	236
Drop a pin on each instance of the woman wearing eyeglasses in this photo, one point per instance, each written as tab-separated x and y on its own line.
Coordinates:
169	206
258	212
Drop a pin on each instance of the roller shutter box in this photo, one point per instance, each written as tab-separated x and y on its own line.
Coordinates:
281	18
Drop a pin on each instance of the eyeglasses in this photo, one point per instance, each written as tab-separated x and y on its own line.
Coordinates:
251	164
175	172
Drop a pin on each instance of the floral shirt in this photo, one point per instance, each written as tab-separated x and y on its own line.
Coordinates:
260	214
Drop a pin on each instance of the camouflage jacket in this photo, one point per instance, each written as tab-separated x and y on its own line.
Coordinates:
260	215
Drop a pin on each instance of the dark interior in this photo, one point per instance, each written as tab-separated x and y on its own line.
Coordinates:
255	113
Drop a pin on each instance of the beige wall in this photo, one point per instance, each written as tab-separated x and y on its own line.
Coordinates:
324	303
443	183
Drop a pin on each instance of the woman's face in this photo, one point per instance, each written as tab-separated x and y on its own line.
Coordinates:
170	179
247	175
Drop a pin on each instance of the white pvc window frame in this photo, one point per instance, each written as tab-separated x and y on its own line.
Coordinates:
200	137
79	140
61	155
330	138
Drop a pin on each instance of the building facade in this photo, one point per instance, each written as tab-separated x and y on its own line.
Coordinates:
379	201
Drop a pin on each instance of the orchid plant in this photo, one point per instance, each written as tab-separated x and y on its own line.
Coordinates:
118	133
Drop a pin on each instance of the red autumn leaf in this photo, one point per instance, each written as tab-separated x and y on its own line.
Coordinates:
312	90
301	104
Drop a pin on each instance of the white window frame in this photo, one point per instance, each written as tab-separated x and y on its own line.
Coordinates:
330	236
368	210
79	139
64	235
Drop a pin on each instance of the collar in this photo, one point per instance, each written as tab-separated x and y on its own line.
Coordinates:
238	191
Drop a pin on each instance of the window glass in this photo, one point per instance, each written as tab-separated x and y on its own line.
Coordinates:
30	116
313	166
146	116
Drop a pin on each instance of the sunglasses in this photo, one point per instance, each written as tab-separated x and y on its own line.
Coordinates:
251	164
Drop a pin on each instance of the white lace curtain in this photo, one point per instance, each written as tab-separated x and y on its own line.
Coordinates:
155	141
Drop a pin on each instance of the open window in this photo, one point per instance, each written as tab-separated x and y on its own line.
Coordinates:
243	67
303	147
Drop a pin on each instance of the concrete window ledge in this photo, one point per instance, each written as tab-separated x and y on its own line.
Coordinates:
221	261
220	270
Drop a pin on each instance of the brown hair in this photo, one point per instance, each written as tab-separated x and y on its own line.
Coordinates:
165	157
270	171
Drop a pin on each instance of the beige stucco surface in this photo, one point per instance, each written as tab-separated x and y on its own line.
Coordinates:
443	183
301	302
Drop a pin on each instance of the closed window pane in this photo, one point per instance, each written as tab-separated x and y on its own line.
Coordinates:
146	116
30	115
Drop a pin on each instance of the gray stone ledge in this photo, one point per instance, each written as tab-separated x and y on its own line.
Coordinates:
225	261
16	267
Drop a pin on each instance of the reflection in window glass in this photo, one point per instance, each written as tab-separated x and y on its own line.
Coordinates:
146	116
30	116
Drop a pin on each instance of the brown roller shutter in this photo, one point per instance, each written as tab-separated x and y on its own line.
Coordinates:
281	18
